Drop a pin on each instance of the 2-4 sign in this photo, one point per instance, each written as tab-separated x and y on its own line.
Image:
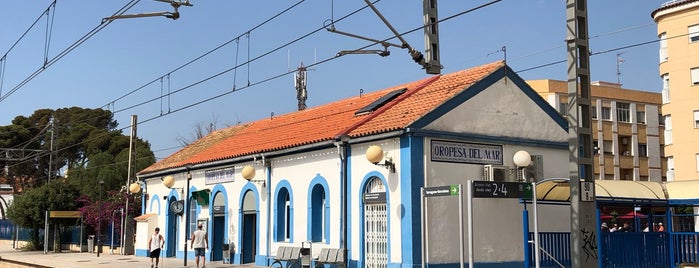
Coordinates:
495	189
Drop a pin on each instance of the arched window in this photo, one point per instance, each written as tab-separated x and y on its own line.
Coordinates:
318	214
192	217
283	216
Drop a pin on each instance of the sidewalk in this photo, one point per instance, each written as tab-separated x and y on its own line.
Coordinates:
10	257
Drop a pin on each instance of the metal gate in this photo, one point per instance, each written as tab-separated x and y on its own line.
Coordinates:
375	227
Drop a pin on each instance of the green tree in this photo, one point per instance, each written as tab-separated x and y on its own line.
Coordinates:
82	142
28	210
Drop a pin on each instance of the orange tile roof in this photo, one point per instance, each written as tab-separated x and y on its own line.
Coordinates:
327	122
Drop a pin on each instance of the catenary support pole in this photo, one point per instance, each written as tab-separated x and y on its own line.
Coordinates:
582	220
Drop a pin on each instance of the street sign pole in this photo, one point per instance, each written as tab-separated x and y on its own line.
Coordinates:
461	229
469	194
448	190
537	257
422	226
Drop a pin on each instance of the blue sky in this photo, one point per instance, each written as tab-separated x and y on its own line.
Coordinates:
128	54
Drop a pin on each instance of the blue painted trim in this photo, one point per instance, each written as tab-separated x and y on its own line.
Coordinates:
348	241
363	185
155	201
284	184
218	189
141	253
197	209
318	180
172	196
144	205
525	238
249	187
482	85
413	150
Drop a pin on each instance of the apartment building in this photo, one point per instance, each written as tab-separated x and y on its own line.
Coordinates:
626	129
678	30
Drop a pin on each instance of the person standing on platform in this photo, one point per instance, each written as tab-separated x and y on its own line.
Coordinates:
200	243
155	243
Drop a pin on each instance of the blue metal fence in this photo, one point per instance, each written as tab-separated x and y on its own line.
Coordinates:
634	249
624	249
685	248
555	249
8	232
69	234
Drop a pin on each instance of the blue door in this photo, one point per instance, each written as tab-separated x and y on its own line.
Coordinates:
249	245
171	235
217	237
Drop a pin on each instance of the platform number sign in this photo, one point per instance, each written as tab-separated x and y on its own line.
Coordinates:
587	191
492	189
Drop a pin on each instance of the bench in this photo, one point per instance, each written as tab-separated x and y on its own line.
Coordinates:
290	255
330	256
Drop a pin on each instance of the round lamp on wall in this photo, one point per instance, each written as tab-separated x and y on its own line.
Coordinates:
135	188
169	181
248	172
374	154
522	158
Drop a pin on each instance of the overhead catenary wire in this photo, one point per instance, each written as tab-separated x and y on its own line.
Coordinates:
244	63
21	37
213	76
235	39
112	103
251	84
66	51
49	31
604	52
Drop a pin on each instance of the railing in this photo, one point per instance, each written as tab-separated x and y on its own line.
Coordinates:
624	249
685	247
635	249
68	234
8	232
556	246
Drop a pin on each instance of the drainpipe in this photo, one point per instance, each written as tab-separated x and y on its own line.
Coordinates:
342	146
268	168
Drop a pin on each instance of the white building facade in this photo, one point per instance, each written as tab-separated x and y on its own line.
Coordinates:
313	185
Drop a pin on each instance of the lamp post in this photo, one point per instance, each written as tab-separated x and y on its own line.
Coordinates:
99	220
523	159
186	212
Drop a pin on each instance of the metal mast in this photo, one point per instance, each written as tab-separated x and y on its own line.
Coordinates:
583	233
301	93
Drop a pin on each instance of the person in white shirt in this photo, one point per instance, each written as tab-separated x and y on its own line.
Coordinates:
155	243
200	242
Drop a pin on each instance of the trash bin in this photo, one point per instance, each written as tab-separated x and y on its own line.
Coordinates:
90	243
226	253
306	254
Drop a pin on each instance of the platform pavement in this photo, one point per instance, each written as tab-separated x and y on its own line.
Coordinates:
84	259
